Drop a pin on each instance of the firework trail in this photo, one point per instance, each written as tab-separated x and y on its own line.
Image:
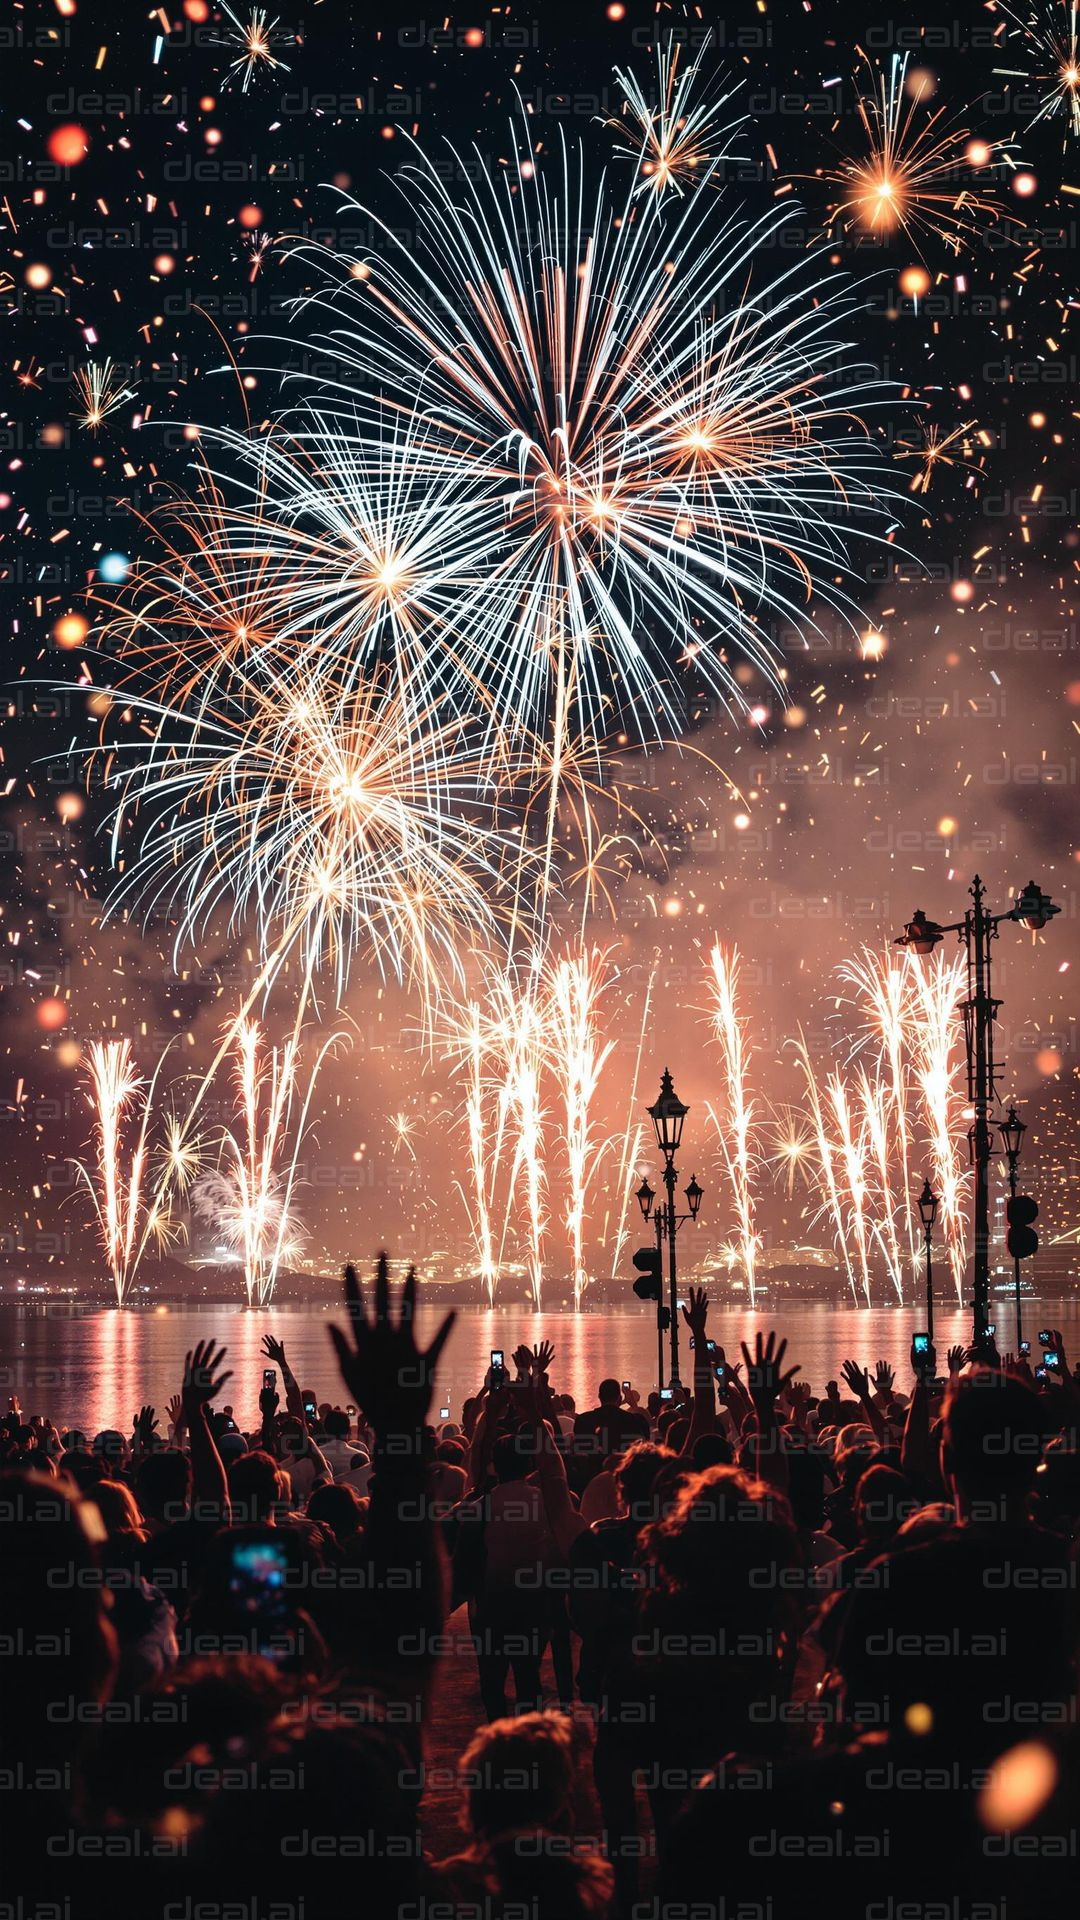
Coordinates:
479	1161
916	175
679	141
1049	31
630	1152
251	1201
884	989
100	393
577	1058
874	1102
854	1189
524	1041
734	1125
825	1168
131	1210
938	986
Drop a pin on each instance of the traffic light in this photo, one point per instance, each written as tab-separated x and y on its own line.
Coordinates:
1021	1238
647	1262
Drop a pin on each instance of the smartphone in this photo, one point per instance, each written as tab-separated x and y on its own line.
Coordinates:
1025	1346
257	1573
920	1343
1046	1338
1052	1359
626	1386
721	1370
497	1360
1040	1373
666	1393
444	1413
991	1330
269	1380
311	1409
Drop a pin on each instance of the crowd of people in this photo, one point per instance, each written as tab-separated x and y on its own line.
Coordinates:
749	1649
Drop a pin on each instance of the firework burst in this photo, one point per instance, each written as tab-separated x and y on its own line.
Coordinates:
100	392
915	176
253	40
577	1058
1050	35
679	140
659	456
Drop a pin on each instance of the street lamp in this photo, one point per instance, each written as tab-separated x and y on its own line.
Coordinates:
928	1206
1012	1131
667	1115
1032	908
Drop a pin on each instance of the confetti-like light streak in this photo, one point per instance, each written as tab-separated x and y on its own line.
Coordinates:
577	1057
254	40
735	1120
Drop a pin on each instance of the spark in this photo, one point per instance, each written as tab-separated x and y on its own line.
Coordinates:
131	1207
938	449
578	1059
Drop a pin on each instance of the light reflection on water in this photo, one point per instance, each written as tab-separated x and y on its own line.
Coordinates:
96	1369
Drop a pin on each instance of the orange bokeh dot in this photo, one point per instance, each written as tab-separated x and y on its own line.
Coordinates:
69	144
616	11
962	591
978	153
70	630
914	281
474	37
250	216
38	277
164	263
1048	1060
1072	693
51	1014
197	10
70	806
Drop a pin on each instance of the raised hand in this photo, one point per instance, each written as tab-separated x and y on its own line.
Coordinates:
522	1359
275	1350
883	1378
763	1373
145	1427
695	1313
386	1373
956	1357
202	1379
856	1379
542	1356
175	1411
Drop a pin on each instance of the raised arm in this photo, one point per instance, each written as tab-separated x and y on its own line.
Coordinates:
386	1373
766	1382
275	1350
202	1381
703	1418
857	1381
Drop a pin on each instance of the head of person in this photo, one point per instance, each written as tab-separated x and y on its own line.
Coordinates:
51	1591
338	1507
724	1541
883	1501
163	1484
111	1447
992	1438
609	1393
255	1485
119	1510
518	1773
338	1425
640	1474
513	1456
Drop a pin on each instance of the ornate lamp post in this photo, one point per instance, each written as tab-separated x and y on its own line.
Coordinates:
667	1115
1032	908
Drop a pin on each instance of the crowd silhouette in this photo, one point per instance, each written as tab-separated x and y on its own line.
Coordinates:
763	1648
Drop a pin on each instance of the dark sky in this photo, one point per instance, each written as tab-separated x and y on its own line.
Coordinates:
957	749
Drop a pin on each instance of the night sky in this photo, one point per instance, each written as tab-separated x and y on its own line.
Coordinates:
941	737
